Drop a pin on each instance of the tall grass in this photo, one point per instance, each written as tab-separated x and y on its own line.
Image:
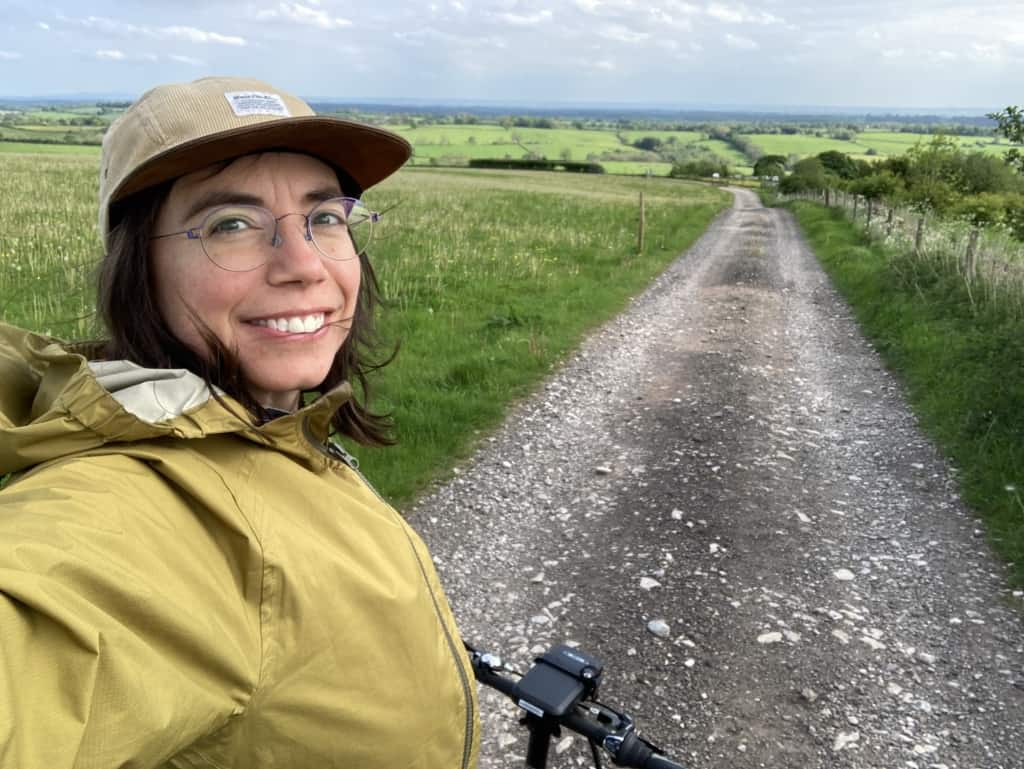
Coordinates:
490	278
962	361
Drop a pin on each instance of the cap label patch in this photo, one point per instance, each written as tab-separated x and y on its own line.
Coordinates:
245	103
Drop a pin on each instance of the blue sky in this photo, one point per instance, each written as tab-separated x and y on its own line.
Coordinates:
775	53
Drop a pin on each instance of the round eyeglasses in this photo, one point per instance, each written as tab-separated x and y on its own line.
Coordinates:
239	238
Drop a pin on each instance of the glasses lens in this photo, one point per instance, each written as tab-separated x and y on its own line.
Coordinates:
238	238
341	228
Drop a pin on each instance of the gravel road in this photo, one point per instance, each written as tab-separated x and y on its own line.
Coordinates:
731	458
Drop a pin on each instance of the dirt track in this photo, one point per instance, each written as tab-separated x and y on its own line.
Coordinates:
732	437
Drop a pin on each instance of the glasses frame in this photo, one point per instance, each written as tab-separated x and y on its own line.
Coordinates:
195	233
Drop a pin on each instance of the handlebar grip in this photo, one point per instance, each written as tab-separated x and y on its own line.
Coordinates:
658	761
634	752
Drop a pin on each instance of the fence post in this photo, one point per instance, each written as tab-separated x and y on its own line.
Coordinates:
871	204
971	265
643	226
919	235
828	201
888	223
856	200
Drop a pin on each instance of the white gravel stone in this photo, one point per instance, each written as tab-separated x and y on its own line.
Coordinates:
773	637
845	739
844	575
646	583
659	628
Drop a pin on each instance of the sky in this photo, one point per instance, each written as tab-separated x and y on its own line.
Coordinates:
775	54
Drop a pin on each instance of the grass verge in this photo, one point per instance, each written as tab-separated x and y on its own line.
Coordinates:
962	365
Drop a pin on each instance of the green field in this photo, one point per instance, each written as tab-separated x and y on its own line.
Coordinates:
491	278
884	143
38	148
455	144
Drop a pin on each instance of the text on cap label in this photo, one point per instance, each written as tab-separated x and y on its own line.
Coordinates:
245	103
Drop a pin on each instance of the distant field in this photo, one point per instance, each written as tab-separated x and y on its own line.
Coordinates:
455	145
883	143
33	148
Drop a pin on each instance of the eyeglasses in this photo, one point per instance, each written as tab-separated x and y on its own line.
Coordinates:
239	238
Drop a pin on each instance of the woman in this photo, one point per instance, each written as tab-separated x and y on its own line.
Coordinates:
192	574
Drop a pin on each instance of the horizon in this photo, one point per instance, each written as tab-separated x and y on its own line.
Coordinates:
499	106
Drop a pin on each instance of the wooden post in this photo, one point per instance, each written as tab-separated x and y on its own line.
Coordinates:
919	235
856	200
888	223
871	205
828	201
971	262
643	226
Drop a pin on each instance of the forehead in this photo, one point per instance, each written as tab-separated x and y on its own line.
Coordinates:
251	173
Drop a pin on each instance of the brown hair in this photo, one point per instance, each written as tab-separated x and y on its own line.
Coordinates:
138	332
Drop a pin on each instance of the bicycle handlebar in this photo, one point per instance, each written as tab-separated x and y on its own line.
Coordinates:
602	726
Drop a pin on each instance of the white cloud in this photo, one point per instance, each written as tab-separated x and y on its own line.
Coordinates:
124	29
740	43
303	14
621	34
740	14
604	64
9	55
986	52
525	21
420	37
606	7
110	54
193	35
190	60
893	53
42	25
664	19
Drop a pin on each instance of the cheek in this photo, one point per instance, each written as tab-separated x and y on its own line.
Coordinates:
187	292
348	276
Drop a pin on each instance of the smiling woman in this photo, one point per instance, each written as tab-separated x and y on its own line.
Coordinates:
192	571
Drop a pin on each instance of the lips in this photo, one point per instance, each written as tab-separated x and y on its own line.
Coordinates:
293	324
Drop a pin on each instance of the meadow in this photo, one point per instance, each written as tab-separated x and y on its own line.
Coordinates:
491	279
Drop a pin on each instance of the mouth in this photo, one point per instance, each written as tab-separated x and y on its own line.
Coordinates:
293	324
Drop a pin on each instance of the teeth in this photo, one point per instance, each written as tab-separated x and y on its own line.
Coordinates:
306	324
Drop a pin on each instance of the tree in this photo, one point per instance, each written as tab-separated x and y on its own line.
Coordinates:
876	186
808	174
1011	125
648	143
838	163
770	165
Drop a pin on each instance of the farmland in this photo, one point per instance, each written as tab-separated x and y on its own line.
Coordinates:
624	146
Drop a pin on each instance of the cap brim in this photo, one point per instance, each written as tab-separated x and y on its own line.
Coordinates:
365	153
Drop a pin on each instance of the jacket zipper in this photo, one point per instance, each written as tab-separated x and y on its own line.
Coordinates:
337	452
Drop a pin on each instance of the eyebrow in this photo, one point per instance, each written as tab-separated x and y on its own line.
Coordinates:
216	198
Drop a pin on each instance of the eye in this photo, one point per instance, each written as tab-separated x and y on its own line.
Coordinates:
232	222
327	218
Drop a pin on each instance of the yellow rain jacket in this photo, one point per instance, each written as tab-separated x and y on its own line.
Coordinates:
179	588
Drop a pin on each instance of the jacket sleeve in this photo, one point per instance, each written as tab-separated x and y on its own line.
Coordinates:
129	624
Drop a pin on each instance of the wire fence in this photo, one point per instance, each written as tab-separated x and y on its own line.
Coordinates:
989	260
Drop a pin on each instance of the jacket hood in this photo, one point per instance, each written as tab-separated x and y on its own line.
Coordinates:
55	403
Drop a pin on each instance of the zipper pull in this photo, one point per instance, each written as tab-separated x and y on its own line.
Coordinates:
339	452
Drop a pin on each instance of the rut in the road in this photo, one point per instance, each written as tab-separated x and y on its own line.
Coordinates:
830	602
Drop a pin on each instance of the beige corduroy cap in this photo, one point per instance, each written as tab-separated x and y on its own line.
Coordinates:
175	129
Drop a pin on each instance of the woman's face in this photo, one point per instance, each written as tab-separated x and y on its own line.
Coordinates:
296	283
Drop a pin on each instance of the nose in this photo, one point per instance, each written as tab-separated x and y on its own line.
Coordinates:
295	256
